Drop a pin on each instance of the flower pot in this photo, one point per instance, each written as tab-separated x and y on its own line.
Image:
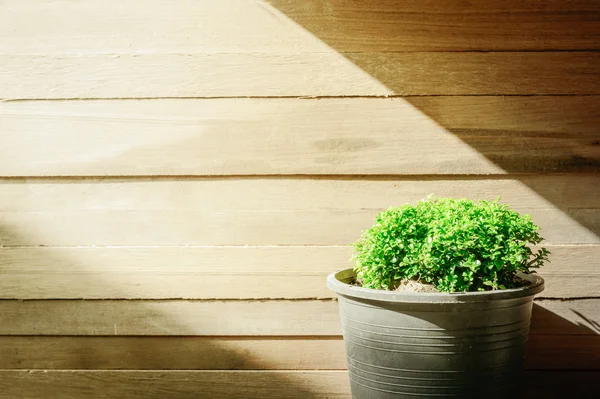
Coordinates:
415	345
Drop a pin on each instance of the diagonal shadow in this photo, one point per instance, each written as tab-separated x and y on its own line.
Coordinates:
181	352
522	135
83	352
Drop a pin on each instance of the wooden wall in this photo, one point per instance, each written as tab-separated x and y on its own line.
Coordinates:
178	178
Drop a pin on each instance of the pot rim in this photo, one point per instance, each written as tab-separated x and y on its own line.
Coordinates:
338	282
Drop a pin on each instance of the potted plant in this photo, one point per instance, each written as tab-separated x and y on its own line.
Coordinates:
439	300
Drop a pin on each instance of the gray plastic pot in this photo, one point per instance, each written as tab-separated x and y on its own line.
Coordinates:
415	345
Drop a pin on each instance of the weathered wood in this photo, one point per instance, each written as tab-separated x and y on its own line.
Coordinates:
432	135
173	353
193	26
417	25
185	75
224	272
288	194
483	73
156	26
67	384
544	352
230	318
254	228
302	74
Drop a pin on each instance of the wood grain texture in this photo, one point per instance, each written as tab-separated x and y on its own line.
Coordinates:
156	26
173	353
282	212
288	193
67	384
183	75
35	384
303	74
427	135
117	27
491	73
254	228
230	318
225	272
417	25
544	352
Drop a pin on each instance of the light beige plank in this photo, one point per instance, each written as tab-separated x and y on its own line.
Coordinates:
289	194
292	318
197	353
64	384
230	318
429	25
183	75
224	272
153	26
172	353
192	285
433	135
311	74
56	27
254	228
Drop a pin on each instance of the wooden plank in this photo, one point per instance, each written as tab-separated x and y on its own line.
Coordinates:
289	193
302	74
64	384
194	285
230	318
483	73
187	318
563	352
417	25
117	27
426	135
172	353
254	228
224	272
68	384
577	352
184	75
156	26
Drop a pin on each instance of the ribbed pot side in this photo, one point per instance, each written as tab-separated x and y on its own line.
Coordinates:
415	345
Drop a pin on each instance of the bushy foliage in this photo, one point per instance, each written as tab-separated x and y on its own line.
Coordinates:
456	245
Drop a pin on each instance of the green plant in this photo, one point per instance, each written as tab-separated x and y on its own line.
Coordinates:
455	245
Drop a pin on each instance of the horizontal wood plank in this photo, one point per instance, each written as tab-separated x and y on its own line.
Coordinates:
418	25
117	27
484	73
288	193
183	75
254	228
156	26
544	352
556	352
225	272
66	384
230	318
298	74
172	353
428	135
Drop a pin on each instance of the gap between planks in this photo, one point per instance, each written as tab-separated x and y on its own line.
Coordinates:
341	177
305	97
